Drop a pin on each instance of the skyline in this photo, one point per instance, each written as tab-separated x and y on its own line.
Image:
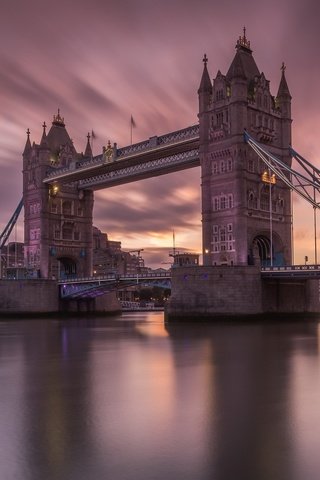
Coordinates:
103	63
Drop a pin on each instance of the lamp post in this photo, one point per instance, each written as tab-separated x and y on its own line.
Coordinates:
271	180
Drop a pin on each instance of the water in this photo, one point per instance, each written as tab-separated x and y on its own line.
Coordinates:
126	398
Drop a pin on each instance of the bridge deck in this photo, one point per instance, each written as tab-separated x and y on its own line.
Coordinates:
157	156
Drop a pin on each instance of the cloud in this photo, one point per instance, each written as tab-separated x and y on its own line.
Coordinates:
102	62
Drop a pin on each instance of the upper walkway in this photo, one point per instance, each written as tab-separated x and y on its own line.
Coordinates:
156	156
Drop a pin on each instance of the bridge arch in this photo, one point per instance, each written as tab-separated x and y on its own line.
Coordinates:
260	249
67	267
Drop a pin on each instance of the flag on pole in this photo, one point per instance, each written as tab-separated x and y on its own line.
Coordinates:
132	126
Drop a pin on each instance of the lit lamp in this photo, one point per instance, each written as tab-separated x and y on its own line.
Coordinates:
54	189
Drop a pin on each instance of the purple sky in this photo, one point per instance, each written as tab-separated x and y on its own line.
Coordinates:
103	60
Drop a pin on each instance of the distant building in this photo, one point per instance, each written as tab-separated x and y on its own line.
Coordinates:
108	257
185	259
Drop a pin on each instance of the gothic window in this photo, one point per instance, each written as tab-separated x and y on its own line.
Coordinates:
67	231
230	200
264	202
76	235
219	95
222	235
229	227
223	202
56	232
216	248
229	164
219	119
215	203
223	248
222	166
54	207
67	208
215	168
228	91
215	228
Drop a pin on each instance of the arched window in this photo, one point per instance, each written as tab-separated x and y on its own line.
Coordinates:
67	231
67	208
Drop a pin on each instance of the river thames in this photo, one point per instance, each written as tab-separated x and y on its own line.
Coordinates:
130	398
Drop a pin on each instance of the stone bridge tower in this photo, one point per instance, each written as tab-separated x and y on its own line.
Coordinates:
240	224
58	219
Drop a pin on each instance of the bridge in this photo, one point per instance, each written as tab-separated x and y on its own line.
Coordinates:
92	287
168	153
248	173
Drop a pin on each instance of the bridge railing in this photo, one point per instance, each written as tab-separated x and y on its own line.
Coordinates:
291	268
113	277
154	142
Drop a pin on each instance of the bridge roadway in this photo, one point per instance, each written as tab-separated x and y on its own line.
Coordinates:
96	286
156	156
291	271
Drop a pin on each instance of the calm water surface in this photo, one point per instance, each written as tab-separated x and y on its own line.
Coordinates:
128	398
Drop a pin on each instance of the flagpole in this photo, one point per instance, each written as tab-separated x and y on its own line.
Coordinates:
131	121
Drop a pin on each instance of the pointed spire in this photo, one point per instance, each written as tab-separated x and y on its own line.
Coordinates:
243	42
44	142
28	143
58	120
205	84
243	65
88	150
283	91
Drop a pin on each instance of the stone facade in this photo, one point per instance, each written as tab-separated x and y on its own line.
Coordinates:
58	219
213	292
236	188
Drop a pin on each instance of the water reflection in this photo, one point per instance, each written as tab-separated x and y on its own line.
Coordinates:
130	398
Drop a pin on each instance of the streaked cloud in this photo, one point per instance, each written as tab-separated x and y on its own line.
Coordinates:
101	61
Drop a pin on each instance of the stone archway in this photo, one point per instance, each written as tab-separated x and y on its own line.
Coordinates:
67	267
261	250
263	247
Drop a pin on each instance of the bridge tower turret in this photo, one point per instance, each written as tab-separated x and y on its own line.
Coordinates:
58	219
246	212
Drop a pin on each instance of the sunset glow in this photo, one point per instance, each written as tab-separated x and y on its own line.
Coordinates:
102	62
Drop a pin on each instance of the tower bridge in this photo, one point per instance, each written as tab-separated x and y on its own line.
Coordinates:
169	153
246	185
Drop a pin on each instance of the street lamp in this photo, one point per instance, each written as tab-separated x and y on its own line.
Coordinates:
266	177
